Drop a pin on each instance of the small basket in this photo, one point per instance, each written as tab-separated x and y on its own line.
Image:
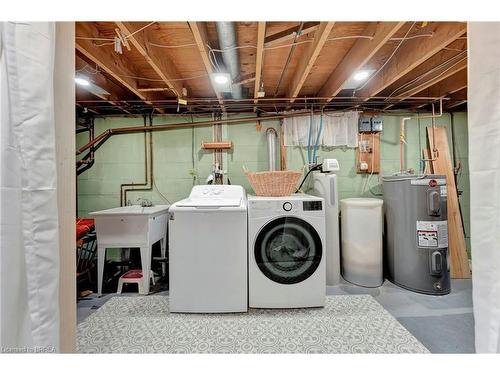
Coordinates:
273	183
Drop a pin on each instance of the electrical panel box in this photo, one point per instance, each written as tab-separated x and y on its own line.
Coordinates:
365	124
368	124
377	123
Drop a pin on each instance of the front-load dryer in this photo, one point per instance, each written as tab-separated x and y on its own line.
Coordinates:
286	251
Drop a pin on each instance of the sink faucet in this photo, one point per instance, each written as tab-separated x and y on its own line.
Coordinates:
145	202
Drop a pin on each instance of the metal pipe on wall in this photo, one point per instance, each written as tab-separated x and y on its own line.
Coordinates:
139	129
272	137
148	172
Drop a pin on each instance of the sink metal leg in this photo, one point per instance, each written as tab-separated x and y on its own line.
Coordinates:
101	257
163	243
146	267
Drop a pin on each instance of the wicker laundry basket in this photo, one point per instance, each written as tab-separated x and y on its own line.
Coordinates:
273	183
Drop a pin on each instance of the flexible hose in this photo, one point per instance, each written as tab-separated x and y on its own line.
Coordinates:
313	168
316	144
309	139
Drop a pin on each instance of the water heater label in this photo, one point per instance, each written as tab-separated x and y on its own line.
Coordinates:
432	234
443	190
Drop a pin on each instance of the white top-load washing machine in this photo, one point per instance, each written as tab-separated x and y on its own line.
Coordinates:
208	251
286	251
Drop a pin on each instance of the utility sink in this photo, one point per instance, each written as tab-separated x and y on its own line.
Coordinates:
131	227
132	210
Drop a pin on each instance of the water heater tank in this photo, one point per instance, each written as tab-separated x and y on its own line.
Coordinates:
417	233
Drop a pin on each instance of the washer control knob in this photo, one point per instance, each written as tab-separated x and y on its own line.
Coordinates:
287	206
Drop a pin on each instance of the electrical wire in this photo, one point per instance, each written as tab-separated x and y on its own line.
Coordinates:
172	46
113	39
289	44
414	37
451	61
387	61
88	69
159	192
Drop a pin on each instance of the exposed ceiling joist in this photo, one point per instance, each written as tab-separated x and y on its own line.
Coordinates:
460	66
360	53
259	57
98	79
411	54
161	64
108	60
289	33
95	112
307	61
199	30
457	98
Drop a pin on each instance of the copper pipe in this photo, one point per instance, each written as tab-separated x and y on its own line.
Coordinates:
88	160
148	172
306	98
138	129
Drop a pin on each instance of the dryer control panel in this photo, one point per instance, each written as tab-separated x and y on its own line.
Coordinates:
312	205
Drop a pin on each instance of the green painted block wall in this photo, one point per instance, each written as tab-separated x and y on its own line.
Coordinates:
179	162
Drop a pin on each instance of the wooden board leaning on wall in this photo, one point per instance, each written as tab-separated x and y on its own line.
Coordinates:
440	159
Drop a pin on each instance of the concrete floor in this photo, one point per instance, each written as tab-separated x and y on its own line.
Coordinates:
444	324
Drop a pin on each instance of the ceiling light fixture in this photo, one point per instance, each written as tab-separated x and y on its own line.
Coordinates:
357	78
82	81
361	75
221	79
222	82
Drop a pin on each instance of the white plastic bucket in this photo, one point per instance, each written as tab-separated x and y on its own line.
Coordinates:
361	241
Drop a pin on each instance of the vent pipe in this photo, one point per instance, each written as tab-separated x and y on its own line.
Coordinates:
226	34
272	137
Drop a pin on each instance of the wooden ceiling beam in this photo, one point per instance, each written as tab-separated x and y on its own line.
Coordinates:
199	30
289	33
357	57
459	67
456	98
88	109
160	63
451	85
411	54
307	61
259	57
115	92
108	60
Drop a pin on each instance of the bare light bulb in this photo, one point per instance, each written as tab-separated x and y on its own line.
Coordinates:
360	76
81	81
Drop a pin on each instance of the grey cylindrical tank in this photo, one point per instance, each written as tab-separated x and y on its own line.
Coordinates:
417	233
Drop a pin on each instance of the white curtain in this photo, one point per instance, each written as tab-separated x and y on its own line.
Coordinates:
484	165
339	129
29	256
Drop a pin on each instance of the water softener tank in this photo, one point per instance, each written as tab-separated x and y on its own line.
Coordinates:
417	233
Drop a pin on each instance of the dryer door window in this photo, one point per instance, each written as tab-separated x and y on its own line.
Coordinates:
288	250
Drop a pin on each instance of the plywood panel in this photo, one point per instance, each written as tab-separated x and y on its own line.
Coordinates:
372	153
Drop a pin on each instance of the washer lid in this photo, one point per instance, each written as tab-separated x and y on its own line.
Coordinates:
210	202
